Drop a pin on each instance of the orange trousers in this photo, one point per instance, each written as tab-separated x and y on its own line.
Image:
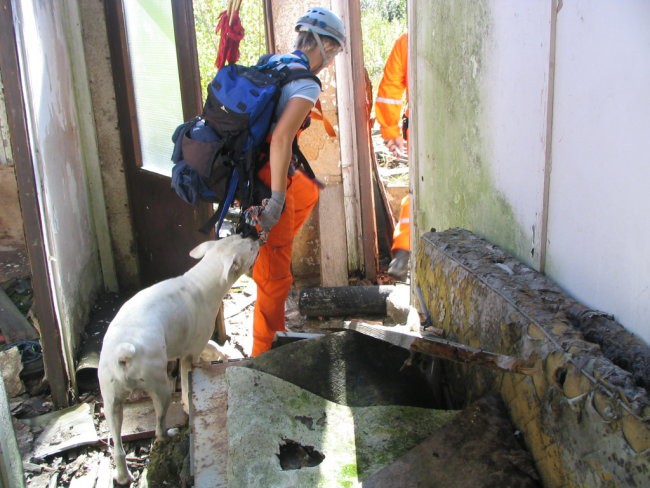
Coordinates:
402	233
272	269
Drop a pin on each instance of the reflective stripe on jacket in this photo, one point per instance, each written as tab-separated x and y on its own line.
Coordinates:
391	90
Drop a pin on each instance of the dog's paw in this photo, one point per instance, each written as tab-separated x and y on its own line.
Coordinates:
211	352
215	352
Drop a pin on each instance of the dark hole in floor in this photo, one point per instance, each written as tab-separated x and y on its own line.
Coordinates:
294	455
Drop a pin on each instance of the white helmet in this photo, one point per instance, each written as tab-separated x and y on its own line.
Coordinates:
322	22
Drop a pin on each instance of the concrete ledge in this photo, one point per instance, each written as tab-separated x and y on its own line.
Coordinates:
585	419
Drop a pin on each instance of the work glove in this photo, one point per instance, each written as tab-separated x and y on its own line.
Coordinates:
272	208
397	147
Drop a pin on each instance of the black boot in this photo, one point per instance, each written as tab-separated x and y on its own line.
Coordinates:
399	266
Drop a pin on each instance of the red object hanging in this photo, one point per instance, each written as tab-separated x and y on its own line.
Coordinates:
230	32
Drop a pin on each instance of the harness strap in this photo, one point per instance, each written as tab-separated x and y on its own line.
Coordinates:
302	160
317	114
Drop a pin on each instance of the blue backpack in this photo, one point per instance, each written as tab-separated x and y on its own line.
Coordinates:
217	155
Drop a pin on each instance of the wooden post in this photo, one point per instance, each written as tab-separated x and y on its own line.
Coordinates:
333	255
355	140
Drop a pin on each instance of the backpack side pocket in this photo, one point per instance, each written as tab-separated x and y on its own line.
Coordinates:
200	155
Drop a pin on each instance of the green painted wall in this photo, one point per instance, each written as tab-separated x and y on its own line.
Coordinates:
454	186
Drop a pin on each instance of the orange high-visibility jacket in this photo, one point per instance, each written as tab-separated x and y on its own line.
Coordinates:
393	85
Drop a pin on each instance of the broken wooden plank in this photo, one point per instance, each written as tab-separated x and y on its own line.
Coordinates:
339	301
282	338
333	256
443	348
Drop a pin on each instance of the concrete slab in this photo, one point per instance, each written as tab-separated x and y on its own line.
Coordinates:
335	445
208	426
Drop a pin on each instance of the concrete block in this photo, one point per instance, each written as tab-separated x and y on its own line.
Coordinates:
584	419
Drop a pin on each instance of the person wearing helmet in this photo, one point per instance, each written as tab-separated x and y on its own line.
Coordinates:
388	112
321	36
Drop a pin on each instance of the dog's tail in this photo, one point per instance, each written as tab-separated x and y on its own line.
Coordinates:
125	353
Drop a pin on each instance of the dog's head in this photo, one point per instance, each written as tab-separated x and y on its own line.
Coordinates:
234	254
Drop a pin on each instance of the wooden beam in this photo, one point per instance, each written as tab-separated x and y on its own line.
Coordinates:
268	22
189	76
445	349
53	357
352	91
333	255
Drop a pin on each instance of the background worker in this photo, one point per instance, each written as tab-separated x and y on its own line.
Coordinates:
321	37
388	113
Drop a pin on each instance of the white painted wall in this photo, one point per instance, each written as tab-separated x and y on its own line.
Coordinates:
599	222
514	110
57	151
579	133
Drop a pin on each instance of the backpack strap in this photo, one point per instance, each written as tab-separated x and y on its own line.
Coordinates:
220	214
297	74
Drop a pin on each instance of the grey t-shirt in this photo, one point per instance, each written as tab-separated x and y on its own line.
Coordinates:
303	88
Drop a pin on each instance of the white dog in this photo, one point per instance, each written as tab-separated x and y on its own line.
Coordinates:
170	320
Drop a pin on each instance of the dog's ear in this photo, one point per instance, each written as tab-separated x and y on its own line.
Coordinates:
231	267
199	251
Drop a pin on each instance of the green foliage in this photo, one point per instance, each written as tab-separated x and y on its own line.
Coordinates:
206	15
389	10
382	22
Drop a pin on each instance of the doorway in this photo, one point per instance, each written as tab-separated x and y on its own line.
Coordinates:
383	22
154	56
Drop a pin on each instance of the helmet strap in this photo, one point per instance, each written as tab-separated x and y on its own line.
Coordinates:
326	58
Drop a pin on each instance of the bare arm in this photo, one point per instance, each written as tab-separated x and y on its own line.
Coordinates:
285	130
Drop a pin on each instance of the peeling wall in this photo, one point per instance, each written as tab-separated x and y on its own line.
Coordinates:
583	418
469	62
57	151
111	161
537	138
